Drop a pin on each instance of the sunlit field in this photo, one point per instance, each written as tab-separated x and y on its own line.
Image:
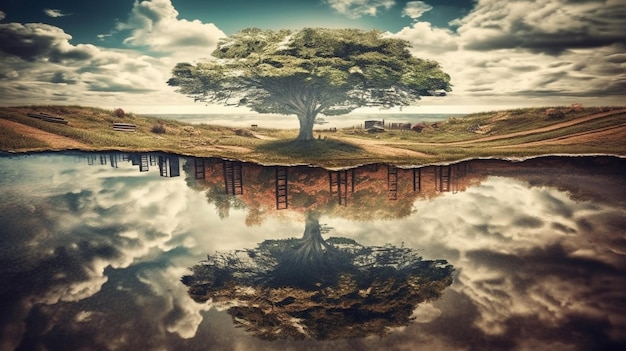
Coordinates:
511	133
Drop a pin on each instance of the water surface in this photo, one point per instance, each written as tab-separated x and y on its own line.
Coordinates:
94	248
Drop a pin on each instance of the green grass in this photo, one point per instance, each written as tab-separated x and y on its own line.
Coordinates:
10	140
314	149
500	122
93	127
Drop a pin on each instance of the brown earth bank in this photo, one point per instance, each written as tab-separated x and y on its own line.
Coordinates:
599	131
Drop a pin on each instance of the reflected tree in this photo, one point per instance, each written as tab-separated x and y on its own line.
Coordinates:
315	288
223	201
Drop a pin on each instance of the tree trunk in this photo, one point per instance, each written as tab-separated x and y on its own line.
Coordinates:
306	126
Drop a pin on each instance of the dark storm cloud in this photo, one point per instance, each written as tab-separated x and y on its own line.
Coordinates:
528	222
544	27
37	41
599	88
550	276
106	84
42	56
62	77
525	37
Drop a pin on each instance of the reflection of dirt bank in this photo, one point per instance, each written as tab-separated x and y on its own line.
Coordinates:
385	192
369	192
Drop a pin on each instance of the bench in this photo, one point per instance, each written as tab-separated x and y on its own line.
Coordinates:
124	127
46	117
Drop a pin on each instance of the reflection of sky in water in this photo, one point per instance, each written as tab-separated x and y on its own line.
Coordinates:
91	256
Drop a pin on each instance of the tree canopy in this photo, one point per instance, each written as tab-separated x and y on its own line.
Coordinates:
316	288
310	72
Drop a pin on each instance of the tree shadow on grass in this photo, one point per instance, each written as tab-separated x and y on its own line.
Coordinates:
317	149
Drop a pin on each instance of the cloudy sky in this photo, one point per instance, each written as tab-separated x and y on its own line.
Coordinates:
499	53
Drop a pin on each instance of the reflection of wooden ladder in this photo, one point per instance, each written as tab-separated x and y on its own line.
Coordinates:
199	168
174	166
341	183
91	159
233	177
417	179
113	160
163	166
103	159
459	171
169	166
281	188
443	174
143	163
392	182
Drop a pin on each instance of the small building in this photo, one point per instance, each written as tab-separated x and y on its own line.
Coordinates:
373	123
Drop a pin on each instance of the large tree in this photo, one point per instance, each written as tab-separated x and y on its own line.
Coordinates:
310	72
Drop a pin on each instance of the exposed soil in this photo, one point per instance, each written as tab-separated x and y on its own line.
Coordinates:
382	148
613	133
53	140
590	134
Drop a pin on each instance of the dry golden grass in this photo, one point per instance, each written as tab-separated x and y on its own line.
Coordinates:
475	135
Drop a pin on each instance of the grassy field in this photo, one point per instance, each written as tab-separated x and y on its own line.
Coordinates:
450	140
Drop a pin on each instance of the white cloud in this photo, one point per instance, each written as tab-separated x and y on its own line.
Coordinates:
415	9
358	8
41	56
503	234
54	13
505	53
518	53
179	314
429	40
37	57
2	15
155	24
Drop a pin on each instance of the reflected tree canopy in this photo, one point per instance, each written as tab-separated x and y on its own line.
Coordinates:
316	288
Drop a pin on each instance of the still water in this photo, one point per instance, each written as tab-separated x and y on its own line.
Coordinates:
113	251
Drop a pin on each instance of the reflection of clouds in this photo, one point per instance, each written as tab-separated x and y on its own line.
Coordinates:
525	255
425	313
84	221
534	266
178	313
